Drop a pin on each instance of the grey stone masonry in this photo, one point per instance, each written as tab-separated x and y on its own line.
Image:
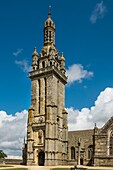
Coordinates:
47	131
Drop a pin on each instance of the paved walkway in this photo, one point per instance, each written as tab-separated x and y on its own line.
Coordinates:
50	167
35	167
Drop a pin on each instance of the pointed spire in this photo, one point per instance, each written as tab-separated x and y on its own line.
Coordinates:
49	12
62	57
34	52
49	30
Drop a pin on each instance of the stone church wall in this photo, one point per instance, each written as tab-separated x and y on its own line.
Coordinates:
86	140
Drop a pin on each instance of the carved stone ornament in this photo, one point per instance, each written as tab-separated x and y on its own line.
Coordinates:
41	119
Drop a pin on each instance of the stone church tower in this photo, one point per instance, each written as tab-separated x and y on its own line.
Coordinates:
47	130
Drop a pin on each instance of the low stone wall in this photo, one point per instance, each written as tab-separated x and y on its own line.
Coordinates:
72	162
11	161
103	161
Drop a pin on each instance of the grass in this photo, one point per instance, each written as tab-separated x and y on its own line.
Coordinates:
5	166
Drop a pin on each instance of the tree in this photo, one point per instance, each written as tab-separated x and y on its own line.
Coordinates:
2	154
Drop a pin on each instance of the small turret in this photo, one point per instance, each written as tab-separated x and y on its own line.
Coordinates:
30	114
62	63
34	59
62	57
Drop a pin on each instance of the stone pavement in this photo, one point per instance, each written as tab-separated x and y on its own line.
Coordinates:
34	167
50	167
96	168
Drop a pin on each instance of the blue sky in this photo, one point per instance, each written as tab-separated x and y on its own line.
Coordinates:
84	32
83	42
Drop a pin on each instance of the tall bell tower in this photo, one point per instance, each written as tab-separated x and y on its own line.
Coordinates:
47	130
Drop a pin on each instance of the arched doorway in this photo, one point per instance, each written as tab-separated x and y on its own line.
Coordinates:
72	152
41	158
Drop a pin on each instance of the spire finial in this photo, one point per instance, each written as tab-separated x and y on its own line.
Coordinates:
35	48
62	57
49	12
35	52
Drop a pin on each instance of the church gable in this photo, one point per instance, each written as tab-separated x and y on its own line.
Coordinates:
108	125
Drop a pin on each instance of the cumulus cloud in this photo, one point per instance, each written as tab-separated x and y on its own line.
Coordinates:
13	127
24	65
98	12
99	113
17	52
12	132
76	72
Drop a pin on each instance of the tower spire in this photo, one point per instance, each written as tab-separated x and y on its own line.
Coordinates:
49	30
49	11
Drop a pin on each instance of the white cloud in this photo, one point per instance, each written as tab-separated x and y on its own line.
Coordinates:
17	52
13	127
98	12
99	113
12	132
24	65
76	72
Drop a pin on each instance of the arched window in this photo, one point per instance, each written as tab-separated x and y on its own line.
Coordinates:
43	64
72	153
111	143
90	151
49	35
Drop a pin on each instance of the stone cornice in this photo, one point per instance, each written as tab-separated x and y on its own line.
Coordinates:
48	71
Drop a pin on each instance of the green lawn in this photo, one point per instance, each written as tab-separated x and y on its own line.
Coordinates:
5	166
16	169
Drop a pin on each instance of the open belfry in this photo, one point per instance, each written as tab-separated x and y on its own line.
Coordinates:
47	130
